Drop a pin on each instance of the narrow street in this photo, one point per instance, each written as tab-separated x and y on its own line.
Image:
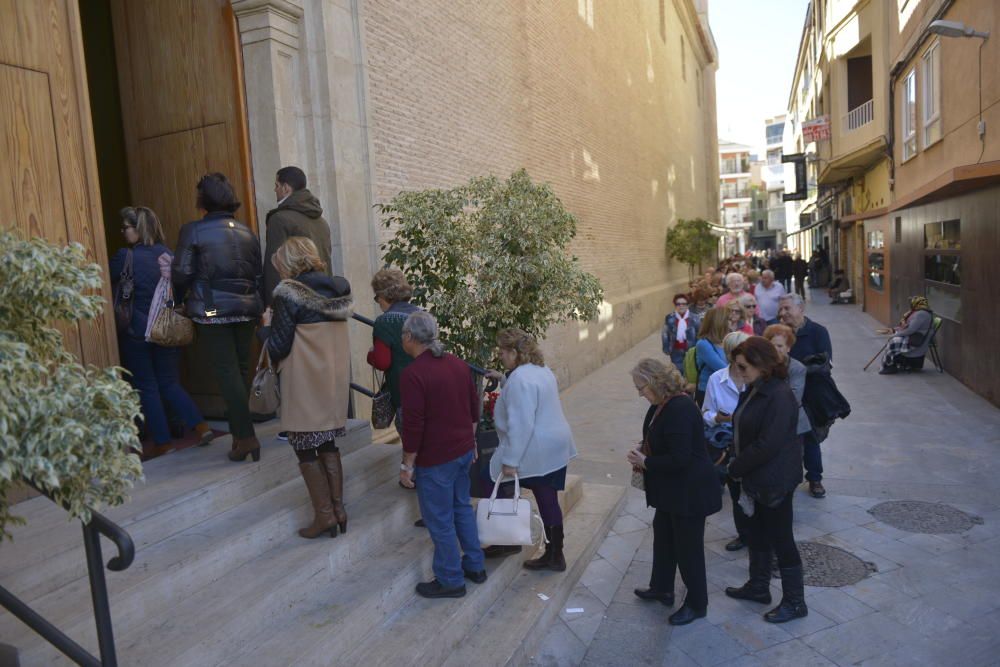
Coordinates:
934	597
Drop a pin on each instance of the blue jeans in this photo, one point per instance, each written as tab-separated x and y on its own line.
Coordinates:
155	377
812	458
443	493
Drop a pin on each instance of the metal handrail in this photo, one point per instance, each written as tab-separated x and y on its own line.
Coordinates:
364	320
92	531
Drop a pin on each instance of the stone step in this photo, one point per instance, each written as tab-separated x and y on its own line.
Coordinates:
328	623
427	632
513	627
172	569
181	490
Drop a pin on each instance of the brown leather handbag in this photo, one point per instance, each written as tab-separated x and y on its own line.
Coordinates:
171	328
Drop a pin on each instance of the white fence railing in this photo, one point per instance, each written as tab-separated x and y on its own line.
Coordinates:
859	116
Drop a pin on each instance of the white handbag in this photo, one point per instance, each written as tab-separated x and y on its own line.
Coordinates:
505	521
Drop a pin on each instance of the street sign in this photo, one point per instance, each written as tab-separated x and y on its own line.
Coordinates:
799	161
816	129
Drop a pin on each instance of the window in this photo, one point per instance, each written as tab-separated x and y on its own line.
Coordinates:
684	71
876	259
931	97
943	267
909	111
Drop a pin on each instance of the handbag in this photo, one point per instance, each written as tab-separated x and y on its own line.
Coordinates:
265	396
505	521
124	291
171	328
638	474
382	411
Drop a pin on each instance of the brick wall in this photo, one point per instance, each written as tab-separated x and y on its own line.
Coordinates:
587	95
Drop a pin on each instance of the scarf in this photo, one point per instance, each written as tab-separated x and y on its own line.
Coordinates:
682	327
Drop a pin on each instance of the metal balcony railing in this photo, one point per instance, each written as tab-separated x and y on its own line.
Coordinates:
859	116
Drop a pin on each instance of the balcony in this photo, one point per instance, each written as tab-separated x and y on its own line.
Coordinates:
859	116
732	166
735	193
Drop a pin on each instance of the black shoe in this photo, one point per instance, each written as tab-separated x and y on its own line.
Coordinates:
501	550
816	490
419	523
685	615
736	544
758	587
793	600
748	592
434	589
475	577
650	594
888	370
283	436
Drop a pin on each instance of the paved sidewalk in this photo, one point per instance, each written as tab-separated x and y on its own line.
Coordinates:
934	599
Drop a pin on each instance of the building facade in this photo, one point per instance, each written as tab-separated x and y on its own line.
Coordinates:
735	196
616	109
909	178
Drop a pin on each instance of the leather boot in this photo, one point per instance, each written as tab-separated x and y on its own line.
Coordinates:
335	477
758	588
793	597
553	558
324	519
244	446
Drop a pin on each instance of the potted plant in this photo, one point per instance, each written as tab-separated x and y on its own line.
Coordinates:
68	429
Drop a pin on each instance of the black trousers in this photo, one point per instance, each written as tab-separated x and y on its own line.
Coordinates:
771	530
740	518
679	543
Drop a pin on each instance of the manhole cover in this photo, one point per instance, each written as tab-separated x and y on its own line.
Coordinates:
916	516
828	566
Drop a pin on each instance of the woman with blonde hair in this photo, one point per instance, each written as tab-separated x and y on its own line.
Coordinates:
680	483
306	333
536	442
154	369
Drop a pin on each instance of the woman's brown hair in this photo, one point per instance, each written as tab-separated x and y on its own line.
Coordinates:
714	325
782	330
146	224
760	353
391	285
523	344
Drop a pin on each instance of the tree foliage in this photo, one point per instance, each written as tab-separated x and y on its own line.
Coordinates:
691	242
487	255
67	428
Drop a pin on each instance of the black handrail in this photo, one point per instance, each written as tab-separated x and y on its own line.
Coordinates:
92	531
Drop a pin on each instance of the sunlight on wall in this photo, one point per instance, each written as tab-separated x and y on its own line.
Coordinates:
585	8
650	73
593	172
654	186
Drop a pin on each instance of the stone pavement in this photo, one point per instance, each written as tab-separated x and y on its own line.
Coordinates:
934	599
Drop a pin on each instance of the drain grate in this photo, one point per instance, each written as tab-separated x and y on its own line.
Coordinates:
831	567
917	516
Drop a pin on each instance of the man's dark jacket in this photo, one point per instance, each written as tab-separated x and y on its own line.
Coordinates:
299	215
811	339
216	268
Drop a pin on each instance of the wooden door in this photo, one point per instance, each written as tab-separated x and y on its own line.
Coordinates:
48	172
184	115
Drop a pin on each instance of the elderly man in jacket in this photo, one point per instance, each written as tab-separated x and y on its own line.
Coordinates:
298	213
811	339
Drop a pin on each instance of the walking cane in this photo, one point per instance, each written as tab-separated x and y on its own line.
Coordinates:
875	357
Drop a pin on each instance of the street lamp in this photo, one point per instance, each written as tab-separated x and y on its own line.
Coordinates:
959	29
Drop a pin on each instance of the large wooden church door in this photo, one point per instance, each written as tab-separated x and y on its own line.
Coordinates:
184	115
48	175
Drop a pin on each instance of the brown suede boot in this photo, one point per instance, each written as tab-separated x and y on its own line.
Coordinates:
319	493
553	558
244	446
335	477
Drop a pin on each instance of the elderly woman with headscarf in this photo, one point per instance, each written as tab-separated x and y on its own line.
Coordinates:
910	338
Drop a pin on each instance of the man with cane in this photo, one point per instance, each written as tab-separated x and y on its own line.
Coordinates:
811	339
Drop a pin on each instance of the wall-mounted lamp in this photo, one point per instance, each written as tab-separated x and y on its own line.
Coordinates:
959	29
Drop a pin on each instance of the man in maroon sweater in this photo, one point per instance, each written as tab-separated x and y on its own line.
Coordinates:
441	405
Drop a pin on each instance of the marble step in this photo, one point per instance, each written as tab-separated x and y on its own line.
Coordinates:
324	627
514	626
181	490
428	632
172	569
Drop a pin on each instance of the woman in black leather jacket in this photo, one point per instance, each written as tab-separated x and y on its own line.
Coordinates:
306	331
217	273
768	463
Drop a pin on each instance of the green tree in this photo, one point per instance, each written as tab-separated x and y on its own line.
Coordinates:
67	428
691	242
488	255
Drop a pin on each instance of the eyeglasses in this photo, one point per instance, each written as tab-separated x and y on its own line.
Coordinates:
681	303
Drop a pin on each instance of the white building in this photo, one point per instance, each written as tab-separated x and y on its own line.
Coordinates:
734	194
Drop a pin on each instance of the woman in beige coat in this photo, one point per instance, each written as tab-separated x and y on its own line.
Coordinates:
306	334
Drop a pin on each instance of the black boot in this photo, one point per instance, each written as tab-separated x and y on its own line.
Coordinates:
793	597
758	588
553	558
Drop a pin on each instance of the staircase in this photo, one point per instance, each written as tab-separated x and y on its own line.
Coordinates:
221	578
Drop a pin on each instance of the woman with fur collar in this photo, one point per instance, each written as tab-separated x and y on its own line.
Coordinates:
306	336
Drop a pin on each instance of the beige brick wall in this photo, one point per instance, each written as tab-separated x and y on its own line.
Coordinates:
587	95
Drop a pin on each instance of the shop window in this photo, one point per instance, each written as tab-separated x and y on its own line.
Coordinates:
945	301
876	240
876	270
945	235
943	268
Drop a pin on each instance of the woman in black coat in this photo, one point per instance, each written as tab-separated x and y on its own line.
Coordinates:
680	483
768	463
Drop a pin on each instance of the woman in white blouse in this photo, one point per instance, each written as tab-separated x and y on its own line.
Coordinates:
536	443
722	393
